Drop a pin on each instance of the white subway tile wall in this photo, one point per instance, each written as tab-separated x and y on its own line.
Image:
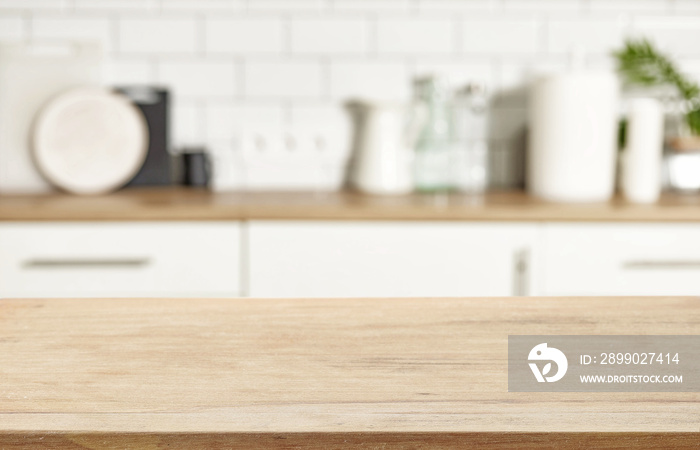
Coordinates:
187	123
12	27
246	71
123	5
377	80
416	36
283	79
193	79
129	70
245	36
157	35
225	121
329	36
46	27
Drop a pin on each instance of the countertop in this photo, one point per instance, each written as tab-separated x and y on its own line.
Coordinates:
190	204
322	373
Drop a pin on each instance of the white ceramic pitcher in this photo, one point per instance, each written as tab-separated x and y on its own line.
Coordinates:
383	148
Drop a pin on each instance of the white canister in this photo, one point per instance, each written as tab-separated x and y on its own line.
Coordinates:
641	159
573	137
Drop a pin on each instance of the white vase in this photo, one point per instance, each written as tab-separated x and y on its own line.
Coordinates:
641	160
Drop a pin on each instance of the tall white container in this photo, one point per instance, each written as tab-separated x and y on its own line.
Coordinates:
573	136
641	159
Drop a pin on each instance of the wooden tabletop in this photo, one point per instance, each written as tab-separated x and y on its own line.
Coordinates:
191	204
319	373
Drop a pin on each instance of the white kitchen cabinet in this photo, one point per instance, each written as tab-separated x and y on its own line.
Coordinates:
621	259
346	259
159	259
389	259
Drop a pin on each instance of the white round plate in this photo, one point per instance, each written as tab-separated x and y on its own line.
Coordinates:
90	141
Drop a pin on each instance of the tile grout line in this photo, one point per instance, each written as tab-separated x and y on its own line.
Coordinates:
373	36
115	35
458	38
200	36
28	19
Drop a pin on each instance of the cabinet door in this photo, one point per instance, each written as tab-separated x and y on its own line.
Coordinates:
388	259
621	259
119	259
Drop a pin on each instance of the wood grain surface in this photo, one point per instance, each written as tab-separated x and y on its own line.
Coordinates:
319	373
192	204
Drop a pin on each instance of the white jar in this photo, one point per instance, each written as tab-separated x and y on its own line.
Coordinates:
573	136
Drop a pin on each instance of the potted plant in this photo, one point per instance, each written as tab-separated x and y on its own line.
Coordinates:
640	63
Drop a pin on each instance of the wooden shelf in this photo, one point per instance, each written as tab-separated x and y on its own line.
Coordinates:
189	204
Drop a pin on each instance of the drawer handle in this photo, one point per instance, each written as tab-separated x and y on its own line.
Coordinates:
83	263
521	273
663	265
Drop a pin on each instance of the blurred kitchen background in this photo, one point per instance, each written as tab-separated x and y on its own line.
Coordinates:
318	96
251	74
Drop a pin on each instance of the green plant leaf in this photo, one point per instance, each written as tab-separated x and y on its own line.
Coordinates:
693	120
640	63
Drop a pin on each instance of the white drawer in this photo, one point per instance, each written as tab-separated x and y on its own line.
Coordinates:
119	259
389	259
630	259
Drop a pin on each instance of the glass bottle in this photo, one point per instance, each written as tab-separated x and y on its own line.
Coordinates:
470	153
434	140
